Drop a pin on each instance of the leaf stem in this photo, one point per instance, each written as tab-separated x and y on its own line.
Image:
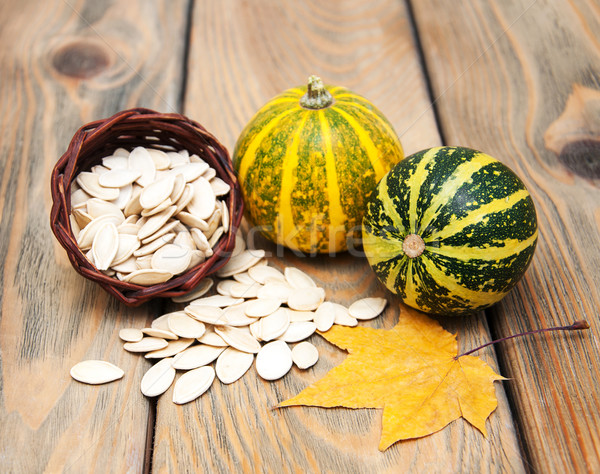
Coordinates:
576	326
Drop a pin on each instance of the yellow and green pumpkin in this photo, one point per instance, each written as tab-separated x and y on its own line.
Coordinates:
451	230
308	161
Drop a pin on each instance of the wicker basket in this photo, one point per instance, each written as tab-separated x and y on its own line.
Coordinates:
128	129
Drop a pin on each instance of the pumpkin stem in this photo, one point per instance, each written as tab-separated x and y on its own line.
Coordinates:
413	246
316	97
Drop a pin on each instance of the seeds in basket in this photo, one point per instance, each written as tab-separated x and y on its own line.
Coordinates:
161	208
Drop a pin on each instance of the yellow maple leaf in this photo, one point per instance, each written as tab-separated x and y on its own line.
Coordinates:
412	372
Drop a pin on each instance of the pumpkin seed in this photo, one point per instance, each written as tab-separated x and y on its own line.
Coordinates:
211	338
342	316
184	239
300	316
160	158
367	308
121	152
144	262
192	220
274	325
262	272
158	209
240	245
98	207
184	199
236	315
201	289
154	245
157	192
90	184
197	258
125	193
192	384
155	222
203	202
148	277
205	314
140	160
128	266
325	316
147	344
238	338
240	290
191	171
200	240
305	355
81	217
131	334
96	372
196	356
240	263
178	159
158	378
274	360
172	258
306	299
243	278
157	332
225	216
298	279
178	188
85	239
214	239
162	322
118	178
165	229
262	307
232	364
115	162
297	331
278	290
184	326
105	246
133	206
219	187
173	348
127	244
219	301
79	196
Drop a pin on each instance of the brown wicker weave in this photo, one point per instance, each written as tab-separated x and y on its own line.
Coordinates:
128	129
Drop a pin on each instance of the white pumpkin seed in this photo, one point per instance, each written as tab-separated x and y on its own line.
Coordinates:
128	266
201	289
200	240
160	159
205	314
298	331
156	332
203	202
81	217
162	322
192	220
214	239
198	257
157	192
118	178
184	199
191	171
141	160
131	334
154	245
196	356
85	239
232	364
306	299
236	315
155	222
279	290
342	316
274	360
185	326
173	348
243	278
238	338
213	223
192	384
240	290
325	316
241	262
274	325
133	206
148	277
178	159
225	220
165	229
105	246
262	307
96	372
121	152
184	239
219	187
144	262
300	316
367	308
158	378
99	207
114	162
211	338
224	287
127	244
305	355
79	196
172	258
219	301
240	245
262	272
147	344
298	279
158	209
90	184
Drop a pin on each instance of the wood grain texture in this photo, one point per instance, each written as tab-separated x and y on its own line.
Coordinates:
519	80
63	64
242	54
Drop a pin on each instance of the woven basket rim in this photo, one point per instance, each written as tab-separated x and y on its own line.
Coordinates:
136	127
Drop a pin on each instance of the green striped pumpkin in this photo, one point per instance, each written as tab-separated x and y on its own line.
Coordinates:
308	161
450	230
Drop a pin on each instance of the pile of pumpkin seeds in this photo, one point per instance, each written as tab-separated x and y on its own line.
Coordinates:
255	314
147	215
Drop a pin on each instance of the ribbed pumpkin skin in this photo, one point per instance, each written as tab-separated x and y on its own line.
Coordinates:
476	218
306	174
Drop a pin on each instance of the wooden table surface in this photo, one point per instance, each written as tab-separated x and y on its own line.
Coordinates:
518	79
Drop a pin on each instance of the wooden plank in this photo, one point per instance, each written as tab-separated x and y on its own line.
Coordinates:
241	55
519	80
63	64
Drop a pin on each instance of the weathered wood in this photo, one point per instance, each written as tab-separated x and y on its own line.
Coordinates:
519	80
63	64
241	55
